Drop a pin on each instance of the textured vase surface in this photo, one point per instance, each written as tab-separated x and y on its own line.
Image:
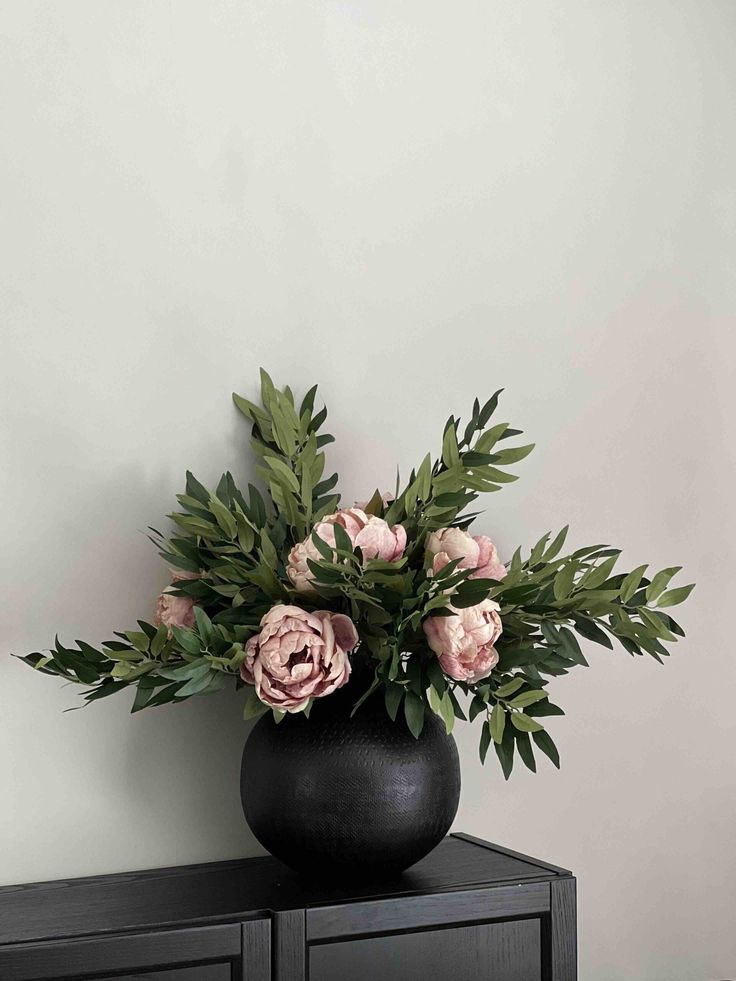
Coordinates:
335	795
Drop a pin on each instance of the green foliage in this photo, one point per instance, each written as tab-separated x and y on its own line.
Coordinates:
228	551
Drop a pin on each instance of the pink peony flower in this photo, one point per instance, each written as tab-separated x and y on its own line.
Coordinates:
475	552
464	642
175	611
372	535
298	656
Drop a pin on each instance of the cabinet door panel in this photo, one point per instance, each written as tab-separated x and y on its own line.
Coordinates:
166	955
209	972
484	952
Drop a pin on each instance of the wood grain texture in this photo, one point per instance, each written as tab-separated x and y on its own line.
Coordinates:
133	952
206	972
469	911
487	952
256	960
461	836
563	964
290	946
222	891
383	916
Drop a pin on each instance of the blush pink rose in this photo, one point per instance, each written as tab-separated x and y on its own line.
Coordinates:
298	655
375	538
175	611
464	642
475	552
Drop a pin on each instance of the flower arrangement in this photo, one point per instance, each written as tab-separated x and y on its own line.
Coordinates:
282	592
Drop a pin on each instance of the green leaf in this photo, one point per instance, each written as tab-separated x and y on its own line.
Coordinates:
488	409
505	752
524	723
477	706
253	707
513	454
392	698
281	470
509	688
308	401
497	722
204	625
322	547
547	746
185	672
159	641
414	713
570	647
450	453
524	746
195	684
528	698
342	539
631	583
375	504
591	631
196	490
435	699
142	695
447	711
485	741
223	517
489	438
542	709
598	575
660	582
187	640
564	580
138	639
270	555
556	545
674	596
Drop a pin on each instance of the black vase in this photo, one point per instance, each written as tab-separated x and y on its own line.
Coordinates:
337	795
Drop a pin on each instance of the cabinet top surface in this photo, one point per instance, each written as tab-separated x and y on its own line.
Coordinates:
239	889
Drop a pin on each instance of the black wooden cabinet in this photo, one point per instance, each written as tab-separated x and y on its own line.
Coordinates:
470	911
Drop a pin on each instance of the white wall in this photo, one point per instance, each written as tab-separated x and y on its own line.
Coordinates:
412	204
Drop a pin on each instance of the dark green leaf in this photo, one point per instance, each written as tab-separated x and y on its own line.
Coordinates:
545	743
393	697
591	631
524	746
414	713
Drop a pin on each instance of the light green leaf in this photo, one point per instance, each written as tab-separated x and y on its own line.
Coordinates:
509	688
564	580
631	583
674	596
497	723
223	517
513	454
660	582
528	698
450	452
525	723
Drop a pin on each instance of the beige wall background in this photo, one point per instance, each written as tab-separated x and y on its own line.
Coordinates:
412	204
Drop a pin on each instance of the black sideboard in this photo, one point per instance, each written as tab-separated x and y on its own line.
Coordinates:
470	911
